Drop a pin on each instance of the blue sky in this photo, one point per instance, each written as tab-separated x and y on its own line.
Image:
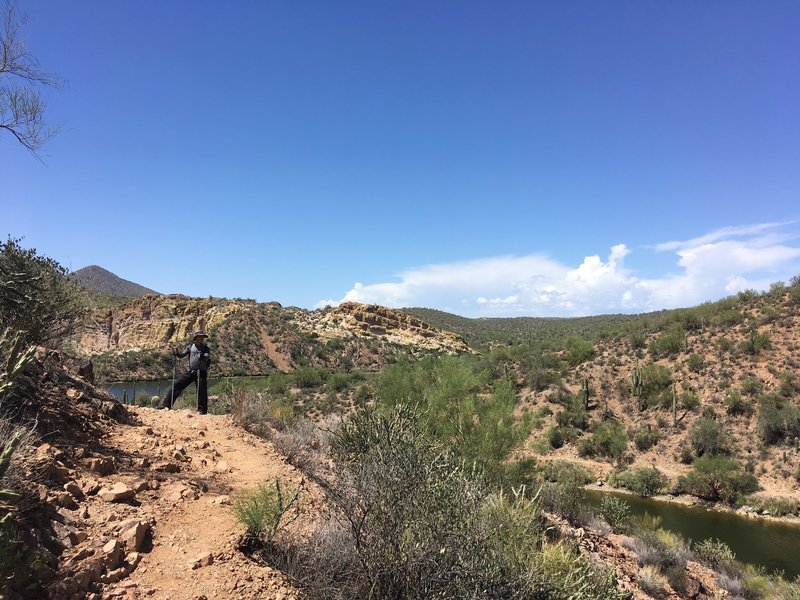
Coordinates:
490	159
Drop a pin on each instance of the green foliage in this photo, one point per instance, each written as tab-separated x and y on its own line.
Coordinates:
608	439
667	552
308	377
708	437
776	506
268	509
789	385
478	427
669	343
717	478
616	512
37	297
752	386
755	343
736	405
715	554
645	481
645	437
578	350
695	363
561	471
778	419
573	415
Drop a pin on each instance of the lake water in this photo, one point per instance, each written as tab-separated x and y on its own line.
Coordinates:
770	544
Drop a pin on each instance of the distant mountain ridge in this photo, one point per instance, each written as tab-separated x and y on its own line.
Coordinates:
99	279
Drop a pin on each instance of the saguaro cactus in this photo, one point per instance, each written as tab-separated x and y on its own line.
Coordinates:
674	407
585	392
636	384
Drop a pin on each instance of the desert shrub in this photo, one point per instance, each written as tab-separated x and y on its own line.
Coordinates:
669	343
404	501
561	471
777	419
608	439
616	512
37	298
339	382
695	363
256	414
578	350
755	343
573	415
717	478
777	506
268	509
308	377
645	481
667	552
655	380
645	437
789	385
752	386
559	573
708	438
652	582
362	394
716	555
736	405
555	437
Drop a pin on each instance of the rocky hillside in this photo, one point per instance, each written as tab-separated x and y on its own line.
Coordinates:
100	280
722	379
134	341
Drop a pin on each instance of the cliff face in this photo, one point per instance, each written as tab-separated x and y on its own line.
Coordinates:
351	319
154	323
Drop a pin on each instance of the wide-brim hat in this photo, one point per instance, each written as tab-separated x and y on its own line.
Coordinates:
200	333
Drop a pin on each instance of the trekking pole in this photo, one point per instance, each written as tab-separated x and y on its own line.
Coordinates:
172	394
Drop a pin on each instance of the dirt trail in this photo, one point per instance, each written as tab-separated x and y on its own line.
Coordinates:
185	469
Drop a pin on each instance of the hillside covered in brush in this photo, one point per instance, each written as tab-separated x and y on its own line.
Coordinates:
135	340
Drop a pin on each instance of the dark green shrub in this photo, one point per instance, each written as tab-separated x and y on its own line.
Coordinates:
564	472
645	481
645	437
308	377
736	405
716	555
268	509
574	415
752	386
777	419
695	363
708	438
578	350
608	440
37	298
755	343
717	478
555	438
789	385
669	343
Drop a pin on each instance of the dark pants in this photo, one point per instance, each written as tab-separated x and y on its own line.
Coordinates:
182	382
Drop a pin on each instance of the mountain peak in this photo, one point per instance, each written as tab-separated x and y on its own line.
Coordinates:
99	279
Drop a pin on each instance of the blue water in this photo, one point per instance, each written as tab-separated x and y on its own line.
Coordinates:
770	544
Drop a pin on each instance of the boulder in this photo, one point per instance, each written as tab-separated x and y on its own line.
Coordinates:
116	493
133	538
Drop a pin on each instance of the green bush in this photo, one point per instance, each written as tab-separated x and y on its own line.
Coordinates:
616	512
669	343
778	418
308	377
736	405
708	438
37	298
578	350
695	363
268	509
716	554
645	481
573	415
755	343
717	478
645	437
608	439
752	386
789	385
564	472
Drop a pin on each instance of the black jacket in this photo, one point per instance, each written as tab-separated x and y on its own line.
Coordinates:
199	356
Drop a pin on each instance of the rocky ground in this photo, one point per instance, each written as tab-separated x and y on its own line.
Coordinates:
153	518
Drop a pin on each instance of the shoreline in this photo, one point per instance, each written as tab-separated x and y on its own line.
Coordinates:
693	502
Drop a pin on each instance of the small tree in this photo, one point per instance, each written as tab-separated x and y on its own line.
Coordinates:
36	295
718	478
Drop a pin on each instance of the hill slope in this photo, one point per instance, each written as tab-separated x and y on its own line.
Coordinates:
134	341
101	280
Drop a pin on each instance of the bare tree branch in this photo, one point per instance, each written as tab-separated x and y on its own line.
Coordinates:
22	109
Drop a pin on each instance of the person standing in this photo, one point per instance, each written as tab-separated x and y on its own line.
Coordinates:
199	361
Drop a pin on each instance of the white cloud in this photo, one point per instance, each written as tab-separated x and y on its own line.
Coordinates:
707	267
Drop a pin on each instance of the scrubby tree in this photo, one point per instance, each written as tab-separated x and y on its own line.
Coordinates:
37	297
22	108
